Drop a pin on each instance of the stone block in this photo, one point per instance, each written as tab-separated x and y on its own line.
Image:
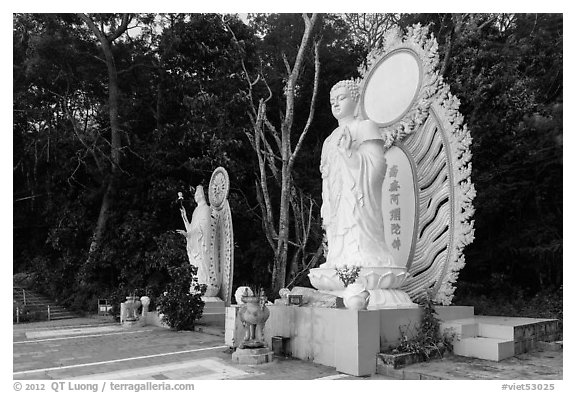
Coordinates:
450	313
357	342
398	360
462	328
484	348
549	346
233	329
491	330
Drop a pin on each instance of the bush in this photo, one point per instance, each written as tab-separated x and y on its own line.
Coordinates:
428	339
180	308
515	302
24	280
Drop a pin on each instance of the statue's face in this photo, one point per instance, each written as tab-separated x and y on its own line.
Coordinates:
199	194
342	103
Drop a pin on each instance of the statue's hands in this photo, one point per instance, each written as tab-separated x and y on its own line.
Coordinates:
184	217
345	141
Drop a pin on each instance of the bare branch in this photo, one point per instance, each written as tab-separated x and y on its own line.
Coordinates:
291	83
269	231
312	103
273	132
286	63
97	31
308	266
126	18
267	204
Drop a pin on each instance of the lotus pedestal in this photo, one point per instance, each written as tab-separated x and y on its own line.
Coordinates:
383	284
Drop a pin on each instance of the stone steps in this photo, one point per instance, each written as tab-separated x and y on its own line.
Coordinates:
496	338
37	303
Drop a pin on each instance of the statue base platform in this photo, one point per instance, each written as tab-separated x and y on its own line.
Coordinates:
383	283
348	340
128	323
252	355
214	311
252	344
383	298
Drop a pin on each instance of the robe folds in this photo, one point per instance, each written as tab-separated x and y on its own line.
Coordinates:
353	168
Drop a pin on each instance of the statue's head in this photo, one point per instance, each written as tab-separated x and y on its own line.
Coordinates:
344	97
199	195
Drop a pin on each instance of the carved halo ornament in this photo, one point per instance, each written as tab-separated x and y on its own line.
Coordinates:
416	50
218	188
431	133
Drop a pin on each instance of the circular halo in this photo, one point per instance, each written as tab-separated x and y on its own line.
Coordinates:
392	87
218	188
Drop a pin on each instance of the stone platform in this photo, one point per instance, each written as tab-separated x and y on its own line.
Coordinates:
497	338
214	311
348	340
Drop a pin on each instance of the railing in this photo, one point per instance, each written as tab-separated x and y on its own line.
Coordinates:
18	313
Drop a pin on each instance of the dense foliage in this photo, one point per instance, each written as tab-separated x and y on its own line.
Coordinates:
425	338
183	112
181	304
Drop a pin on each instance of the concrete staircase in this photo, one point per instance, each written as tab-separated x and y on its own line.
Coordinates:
497	338
37	303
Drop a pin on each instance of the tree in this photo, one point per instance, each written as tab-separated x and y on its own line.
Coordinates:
106	39
369	29
170	138
507	71
279	155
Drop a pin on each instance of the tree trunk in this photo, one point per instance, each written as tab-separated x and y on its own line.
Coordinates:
115	138
281	257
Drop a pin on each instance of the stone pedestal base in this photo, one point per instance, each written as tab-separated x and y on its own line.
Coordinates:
382	298
348	340
383	283
214	311
389	298
127	323
252	355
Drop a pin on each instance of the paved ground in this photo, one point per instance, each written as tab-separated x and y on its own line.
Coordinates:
94	349
97	348
536	365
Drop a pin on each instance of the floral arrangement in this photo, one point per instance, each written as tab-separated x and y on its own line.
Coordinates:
347	274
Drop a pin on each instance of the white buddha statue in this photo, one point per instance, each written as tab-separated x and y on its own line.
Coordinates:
353	168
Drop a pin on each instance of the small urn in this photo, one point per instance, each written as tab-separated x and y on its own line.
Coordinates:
254	315
356	297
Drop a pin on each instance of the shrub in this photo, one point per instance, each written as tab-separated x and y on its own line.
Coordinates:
428	339
181	304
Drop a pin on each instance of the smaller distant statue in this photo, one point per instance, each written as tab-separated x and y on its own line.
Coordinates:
210	238
199	243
